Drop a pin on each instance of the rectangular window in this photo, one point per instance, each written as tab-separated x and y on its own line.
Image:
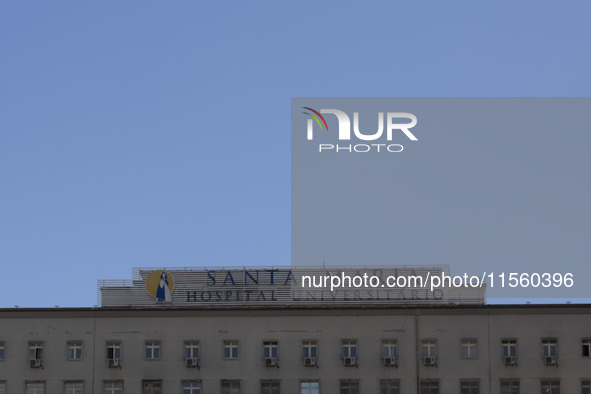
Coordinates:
429	387
230	387
586	387
389	387
510	386
192	387
74	387
389	348
152	350
113	351
549	348
429	348
35	351
509	347
349	348
349	386
310	349
270	349
231	350
2	350
35	387
191	349
469	348
550	387
469	386
152	387
586	347
74	350
2	387
308	387
113	387
270	387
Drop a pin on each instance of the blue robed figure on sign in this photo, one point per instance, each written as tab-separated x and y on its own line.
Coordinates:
163	292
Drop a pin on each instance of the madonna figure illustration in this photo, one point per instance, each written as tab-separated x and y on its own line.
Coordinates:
163	292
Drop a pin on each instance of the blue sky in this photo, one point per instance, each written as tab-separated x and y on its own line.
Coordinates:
158	134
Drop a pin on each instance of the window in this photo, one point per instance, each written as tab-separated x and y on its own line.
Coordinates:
469	348
509	347
113	387
389	387
308	387
349	386
270	349
152	350
270	387
2	352
586	345
35	351
585	387
549	348
349	347
429	348
469	386
35	387
509	386
113	350
192	387
310	349
389	348
191	349
230	387
429	386
2	387
152	387
550	387
74	387
231	350
74	350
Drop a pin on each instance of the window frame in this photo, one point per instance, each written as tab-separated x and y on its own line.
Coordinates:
34	345
464	341
470	381
550	381
42	382
509	381
152	381
390	342
67	382
315	341
153	348
430	381
510	341
550	340
237	347
434	346
270	389
113	382
185	348
309	381
116	345
271	344
349	389
68	343
230	381
3	351
588	340
352	343
384	382
191	381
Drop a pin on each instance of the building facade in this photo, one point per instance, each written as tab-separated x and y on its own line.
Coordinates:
306	348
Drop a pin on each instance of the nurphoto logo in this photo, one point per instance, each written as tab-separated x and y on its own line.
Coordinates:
391	123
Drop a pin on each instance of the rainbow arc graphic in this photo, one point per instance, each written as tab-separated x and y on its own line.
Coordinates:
316	118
